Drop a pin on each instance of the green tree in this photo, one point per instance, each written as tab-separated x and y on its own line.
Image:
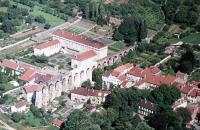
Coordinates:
40	19
164	94
78	120
143	126
185	114
16	117
8	26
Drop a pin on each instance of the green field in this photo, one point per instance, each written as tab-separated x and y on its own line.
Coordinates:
75	29
117	46
37	11
52	20
192	38
152	15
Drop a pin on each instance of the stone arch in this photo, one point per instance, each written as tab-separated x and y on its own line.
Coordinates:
93	67
88	73
99	66
76	77
69	81
105	63
82	77
57	85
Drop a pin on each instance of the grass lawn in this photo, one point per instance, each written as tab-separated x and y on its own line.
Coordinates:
52	20
192	38
117	46
10	100
8	86
151	14
32	120
170	40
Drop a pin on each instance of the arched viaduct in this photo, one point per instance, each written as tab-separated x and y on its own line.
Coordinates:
114	58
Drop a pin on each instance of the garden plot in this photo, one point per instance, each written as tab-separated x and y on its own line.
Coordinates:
76	29
91	35
84	24
105	41
61	60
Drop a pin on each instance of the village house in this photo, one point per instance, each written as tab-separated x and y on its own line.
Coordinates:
84	94
146	107
30	92
47	49
19	107
181	77
73	43
12	68
57	122
117	76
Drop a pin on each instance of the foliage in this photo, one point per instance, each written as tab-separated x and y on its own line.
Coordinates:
97	78
16	117
40	19
133	29
185	115
164	95
87	84
143	126
79	120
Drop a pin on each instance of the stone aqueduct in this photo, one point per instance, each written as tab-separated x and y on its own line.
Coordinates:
65	82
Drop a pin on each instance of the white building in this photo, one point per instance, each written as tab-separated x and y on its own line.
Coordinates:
49	48
83	95
30	93
19	107
117	76
76	43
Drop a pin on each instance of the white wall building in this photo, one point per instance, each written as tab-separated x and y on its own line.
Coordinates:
83	95
77	43
19	107
30	93
49	48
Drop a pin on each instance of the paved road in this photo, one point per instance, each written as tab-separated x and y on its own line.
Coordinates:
6	126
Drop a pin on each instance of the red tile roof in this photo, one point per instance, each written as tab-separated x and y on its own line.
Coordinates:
186	88
57	122
28	75
122	78
47	44
154	69
85	55
9	64
168	80
80	39
31	89
14	65
136	72
20	104
89	92
116	72
194	92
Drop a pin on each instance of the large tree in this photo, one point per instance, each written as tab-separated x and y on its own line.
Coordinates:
164	94
133	29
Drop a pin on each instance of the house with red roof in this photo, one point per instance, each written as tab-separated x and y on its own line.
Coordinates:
193	95
117	76
84	94
30	92
76	43
48	48
11	67
28	76
83	58
57	122
181	77
153	81
19	107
